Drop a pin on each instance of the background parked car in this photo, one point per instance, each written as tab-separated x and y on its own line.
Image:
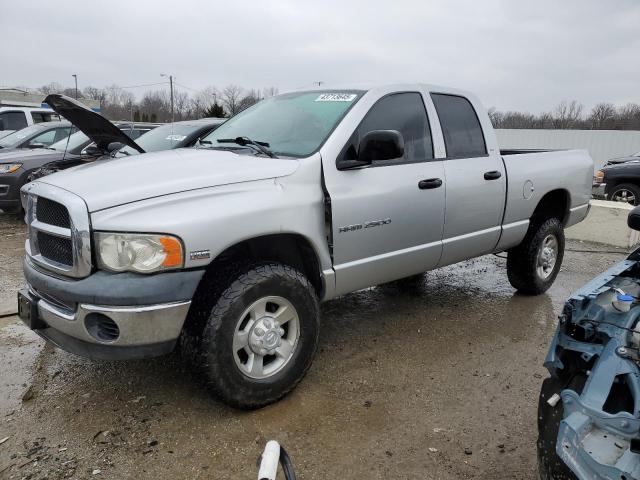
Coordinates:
17	118
634	157
618	182
109	140
17	165
40	135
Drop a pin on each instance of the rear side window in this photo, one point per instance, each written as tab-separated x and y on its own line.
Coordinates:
461	128
13	120
404	112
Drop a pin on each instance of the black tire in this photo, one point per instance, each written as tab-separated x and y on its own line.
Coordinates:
550	465
522	261
211	348
617	193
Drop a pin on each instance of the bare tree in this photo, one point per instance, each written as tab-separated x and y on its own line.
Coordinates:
52	87
567	114
269	92
204	100
231	97
252	97
602	115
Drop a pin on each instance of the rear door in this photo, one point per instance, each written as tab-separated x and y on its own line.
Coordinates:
475	182
386	221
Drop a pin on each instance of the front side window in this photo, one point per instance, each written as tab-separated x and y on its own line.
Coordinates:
461	128
76	141
293	124
404	112
13	120
46	138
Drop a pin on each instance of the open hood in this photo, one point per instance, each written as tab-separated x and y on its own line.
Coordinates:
92	124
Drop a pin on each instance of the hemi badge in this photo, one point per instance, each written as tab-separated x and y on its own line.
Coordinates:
199	255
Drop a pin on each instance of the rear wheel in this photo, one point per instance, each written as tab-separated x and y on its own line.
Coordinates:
533	265
626	193
260	336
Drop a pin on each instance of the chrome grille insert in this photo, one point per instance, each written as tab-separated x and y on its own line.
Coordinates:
58	249
52	213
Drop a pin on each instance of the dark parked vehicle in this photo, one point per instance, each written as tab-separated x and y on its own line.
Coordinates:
17	165
635	157
618	182
40	135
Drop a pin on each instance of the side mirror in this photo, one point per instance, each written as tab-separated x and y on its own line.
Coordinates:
376	145
633	220
36	145
381	145
92	150
113	146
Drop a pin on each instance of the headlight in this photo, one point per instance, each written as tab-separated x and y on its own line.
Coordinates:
9	167
138	252
598	177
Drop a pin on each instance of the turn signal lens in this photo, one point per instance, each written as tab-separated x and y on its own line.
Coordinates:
598	177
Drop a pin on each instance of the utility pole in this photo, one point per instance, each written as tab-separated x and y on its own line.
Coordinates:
170	93
75	77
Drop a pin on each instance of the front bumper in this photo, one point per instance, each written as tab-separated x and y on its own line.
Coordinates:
148	311
598	190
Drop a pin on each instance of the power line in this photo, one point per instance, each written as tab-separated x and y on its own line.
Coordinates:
145	85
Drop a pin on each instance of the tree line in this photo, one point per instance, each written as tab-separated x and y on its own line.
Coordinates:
118	103
572	115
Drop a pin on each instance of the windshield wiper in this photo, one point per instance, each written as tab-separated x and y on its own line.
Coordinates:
247	142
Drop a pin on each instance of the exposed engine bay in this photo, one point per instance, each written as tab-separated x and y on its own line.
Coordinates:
590	407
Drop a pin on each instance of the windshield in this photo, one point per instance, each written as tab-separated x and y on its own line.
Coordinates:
16	137
293	124
164	137
77	140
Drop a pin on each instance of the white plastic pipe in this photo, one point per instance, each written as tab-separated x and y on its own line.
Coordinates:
269	464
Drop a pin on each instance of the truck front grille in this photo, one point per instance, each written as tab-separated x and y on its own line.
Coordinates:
52	213
58	249
59	231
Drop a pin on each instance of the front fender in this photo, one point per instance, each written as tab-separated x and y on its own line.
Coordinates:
213	219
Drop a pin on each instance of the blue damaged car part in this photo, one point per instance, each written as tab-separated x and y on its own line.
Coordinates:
589	409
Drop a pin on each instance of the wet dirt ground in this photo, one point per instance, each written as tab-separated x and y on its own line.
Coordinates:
437	380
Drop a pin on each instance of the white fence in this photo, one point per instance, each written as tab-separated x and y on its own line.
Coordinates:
601	144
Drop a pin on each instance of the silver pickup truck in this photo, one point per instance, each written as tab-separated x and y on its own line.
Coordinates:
228	248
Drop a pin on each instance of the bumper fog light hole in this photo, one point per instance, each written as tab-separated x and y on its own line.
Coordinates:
101	327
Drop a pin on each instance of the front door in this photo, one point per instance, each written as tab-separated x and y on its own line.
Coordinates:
387	218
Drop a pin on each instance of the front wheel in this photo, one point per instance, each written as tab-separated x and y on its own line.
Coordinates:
261	336
533	265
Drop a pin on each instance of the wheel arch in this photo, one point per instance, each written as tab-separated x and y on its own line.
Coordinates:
553	204
292	249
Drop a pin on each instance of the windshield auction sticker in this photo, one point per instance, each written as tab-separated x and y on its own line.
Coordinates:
336	97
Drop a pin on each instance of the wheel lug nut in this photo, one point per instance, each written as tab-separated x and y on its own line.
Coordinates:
281	331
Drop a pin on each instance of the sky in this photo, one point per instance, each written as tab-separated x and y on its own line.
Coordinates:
514	54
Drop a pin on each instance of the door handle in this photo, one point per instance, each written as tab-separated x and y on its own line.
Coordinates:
492	175
429	183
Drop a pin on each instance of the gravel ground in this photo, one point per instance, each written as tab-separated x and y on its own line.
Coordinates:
435	380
